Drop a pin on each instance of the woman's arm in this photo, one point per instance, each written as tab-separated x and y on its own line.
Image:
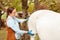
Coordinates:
20	20
10	23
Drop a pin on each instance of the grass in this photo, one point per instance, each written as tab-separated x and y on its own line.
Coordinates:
3	34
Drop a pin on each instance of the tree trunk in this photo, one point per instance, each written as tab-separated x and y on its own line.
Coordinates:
40	6
0	22
36	3
0	19
25	15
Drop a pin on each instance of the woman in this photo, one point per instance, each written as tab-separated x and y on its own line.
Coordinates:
12	25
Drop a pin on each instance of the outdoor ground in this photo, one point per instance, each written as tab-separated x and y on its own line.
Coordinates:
3	34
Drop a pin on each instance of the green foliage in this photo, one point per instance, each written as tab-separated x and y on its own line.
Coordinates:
3	16
31	7
18	7
16	4
37	37
51	4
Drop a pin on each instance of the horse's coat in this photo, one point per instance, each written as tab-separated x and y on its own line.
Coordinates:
46	23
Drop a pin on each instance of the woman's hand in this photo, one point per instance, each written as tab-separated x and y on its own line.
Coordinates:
30	33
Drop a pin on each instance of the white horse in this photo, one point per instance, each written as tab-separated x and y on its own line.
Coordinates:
46	23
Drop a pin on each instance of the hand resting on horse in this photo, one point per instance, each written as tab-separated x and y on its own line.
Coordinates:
30	33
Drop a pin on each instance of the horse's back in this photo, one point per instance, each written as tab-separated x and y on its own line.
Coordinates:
48	27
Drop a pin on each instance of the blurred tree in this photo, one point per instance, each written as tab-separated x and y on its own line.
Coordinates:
1	8
25	15
14	3
0	19
36	3
51	4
